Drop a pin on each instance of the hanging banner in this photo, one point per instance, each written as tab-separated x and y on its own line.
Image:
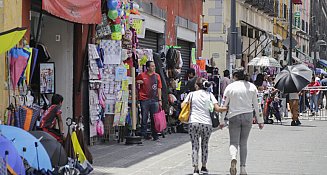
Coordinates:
84	12
193	56
138	24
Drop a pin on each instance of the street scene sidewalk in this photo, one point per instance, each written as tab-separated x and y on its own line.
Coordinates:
276	150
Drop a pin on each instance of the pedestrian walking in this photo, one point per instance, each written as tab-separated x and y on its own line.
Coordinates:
150	97
314	96
294	105
225	81
240	97
200	124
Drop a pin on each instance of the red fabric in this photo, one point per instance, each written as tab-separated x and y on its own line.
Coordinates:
84	12
56	136
297	1
129	61
313	84
49	117
147	90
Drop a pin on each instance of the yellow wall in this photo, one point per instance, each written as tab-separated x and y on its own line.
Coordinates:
10	17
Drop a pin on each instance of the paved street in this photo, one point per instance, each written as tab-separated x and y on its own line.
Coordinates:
275	150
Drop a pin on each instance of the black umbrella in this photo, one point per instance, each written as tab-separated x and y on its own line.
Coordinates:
54	149
293	78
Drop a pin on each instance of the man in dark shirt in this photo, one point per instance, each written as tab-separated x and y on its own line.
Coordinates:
149	97
190	84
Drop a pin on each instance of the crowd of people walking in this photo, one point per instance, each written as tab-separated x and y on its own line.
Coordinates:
243	101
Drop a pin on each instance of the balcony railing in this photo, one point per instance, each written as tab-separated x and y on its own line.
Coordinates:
266	6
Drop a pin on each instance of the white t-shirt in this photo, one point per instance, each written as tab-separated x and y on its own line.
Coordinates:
241	97
200	106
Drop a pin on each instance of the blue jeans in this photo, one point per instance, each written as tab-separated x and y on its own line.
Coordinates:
147	106
304	103
314	102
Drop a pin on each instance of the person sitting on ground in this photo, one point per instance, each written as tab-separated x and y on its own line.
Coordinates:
51	116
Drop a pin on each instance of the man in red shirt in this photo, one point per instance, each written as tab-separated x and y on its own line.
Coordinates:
149	97
314	96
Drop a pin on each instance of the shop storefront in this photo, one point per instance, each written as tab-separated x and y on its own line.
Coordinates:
186	49
150	41
56	35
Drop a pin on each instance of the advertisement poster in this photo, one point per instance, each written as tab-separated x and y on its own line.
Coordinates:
47	78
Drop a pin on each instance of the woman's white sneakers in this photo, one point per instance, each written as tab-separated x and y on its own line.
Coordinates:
196	172
232	169
243	171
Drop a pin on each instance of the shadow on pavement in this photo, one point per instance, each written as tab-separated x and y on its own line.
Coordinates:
114	155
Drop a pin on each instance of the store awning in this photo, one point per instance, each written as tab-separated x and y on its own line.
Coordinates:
84	12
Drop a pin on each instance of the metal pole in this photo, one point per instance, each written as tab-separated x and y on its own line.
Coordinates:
233	32
290	32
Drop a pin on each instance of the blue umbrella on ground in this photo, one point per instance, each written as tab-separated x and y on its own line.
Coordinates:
10	154
35	153
320	71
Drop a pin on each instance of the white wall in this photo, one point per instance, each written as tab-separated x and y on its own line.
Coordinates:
62	55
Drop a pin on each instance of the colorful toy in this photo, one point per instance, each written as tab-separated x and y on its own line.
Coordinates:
112	4
113	14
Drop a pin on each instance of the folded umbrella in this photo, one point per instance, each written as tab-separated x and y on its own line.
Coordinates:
80	137
13	159
35	54
10	38
18	62
27	72
54	149
36	155
320	71
293	78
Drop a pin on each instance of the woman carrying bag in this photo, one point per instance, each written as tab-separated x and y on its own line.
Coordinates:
200	124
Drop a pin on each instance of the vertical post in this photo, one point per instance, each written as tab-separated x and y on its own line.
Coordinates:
134	120
290	32
233	30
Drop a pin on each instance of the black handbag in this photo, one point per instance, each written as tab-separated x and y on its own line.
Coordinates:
214	117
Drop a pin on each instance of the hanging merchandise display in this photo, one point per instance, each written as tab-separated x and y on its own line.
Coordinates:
110	62
113	60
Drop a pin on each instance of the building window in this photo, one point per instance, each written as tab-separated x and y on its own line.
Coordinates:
306	27
257	34
285	11
303	25
304	49
250	33
243	30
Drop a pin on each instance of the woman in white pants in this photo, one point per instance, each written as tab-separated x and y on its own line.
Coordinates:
240	97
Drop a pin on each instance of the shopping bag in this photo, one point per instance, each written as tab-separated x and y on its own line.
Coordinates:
213	115
186	112
160	122
215	119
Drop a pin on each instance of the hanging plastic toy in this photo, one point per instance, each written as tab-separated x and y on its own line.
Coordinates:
112	4
112	14
116	36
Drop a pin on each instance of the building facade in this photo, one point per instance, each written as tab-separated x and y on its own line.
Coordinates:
255	26
263	27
